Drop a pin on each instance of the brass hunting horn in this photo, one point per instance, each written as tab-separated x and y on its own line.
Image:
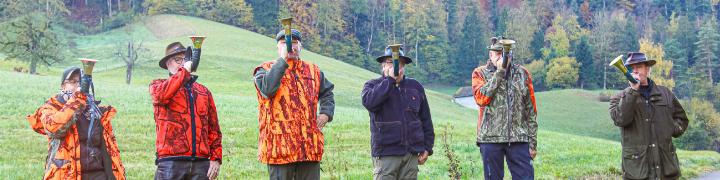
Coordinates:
193	52
627	71
87	88
506	53
396	58
287	24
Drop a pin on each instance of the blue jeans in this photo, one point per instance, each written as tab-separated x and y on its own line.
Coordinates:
518	160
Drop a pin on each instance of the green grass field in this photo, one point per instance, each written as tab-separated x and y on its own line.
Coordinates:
576	139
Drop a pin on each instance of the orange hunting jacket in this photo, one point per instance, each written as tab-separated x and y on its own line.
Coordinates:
57	121
288	128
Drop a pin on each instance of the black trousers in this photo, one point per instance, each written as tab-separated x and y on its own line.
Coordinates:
297	171
182	170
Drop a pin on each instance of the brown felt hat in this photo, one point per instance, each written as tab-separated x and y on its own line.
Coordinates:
171	50
637	57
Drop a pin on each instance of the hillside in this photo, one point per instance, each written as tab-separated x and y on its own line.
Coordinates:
577	139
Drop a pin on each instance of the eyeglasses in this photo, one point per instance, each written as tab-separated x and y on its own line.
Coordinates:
391	62
178	60
71	82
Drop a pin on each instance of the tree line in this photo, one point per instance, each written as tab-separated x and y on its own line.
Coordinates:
564	44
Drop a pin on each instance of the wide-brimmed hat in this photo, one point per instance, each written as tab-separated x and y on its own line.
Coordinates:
388	53
638	57
171	50
295	35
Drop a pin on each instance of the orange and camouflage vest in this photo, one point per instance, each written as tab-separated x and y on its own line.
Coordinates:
57	121
288	128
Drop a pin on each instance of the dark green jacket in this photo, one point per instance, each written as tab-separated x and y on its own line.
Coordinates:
647	126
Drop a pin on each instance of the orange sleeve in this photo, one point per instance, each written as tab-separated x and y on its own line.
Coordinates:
162	91
531	90
34	120
215	133
483	88
57	121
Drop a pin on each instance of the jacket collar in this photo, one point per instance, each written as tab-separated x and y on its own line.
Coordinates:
654	91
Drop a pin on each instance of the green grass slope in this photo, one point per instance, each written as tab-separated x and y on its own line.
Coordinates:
577	140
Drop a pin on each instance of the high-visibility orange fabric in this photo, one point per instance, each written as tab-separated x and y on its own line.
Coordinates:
173	119
55	119
288	120
478	81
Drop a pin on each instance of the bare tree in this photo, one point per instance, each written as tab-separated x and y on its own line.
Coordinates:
130	51
109	6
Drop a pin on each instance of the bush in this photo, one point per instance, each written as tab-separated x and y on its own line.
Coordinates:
235	12
604	96
562	73
537	70
704	128
118	20
183	7
78	27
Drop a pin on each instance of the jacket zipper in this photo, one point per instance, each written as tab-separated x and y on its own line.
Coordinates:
403	129
191	103
508	103
299	84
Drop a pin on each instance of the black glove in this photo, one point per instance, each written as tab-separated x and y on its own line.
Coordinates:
193	55
195	59
85	82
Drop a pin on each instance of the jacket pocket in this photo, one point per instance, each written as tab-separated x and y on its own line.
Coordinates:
417	135
175	140
635	162
413	99
389	132
283	121
59	167
201	103
488	127
669	160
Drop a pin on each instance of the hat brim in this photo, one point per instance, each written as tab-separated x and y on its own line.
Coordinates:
163	61
649	62
283	38
72	72
404	58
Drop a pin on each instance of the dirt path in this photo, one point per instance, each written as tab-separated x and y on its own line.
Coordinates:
710	176
468	102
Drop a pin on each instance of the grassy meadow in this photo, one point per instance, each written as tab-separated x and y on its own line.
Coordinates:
577	139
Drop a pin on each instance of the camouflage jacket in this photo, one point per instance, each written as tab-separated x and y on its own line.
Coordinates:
507	105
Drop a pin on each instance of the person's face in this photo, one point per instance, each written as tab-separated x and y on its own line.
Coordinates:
496	57
175	62
388	64
296	47
642	70
71	84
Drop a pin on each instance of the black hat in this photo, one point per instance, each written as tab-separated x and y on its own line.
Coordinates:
171	50
295	35
388	53
637	57
69	72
